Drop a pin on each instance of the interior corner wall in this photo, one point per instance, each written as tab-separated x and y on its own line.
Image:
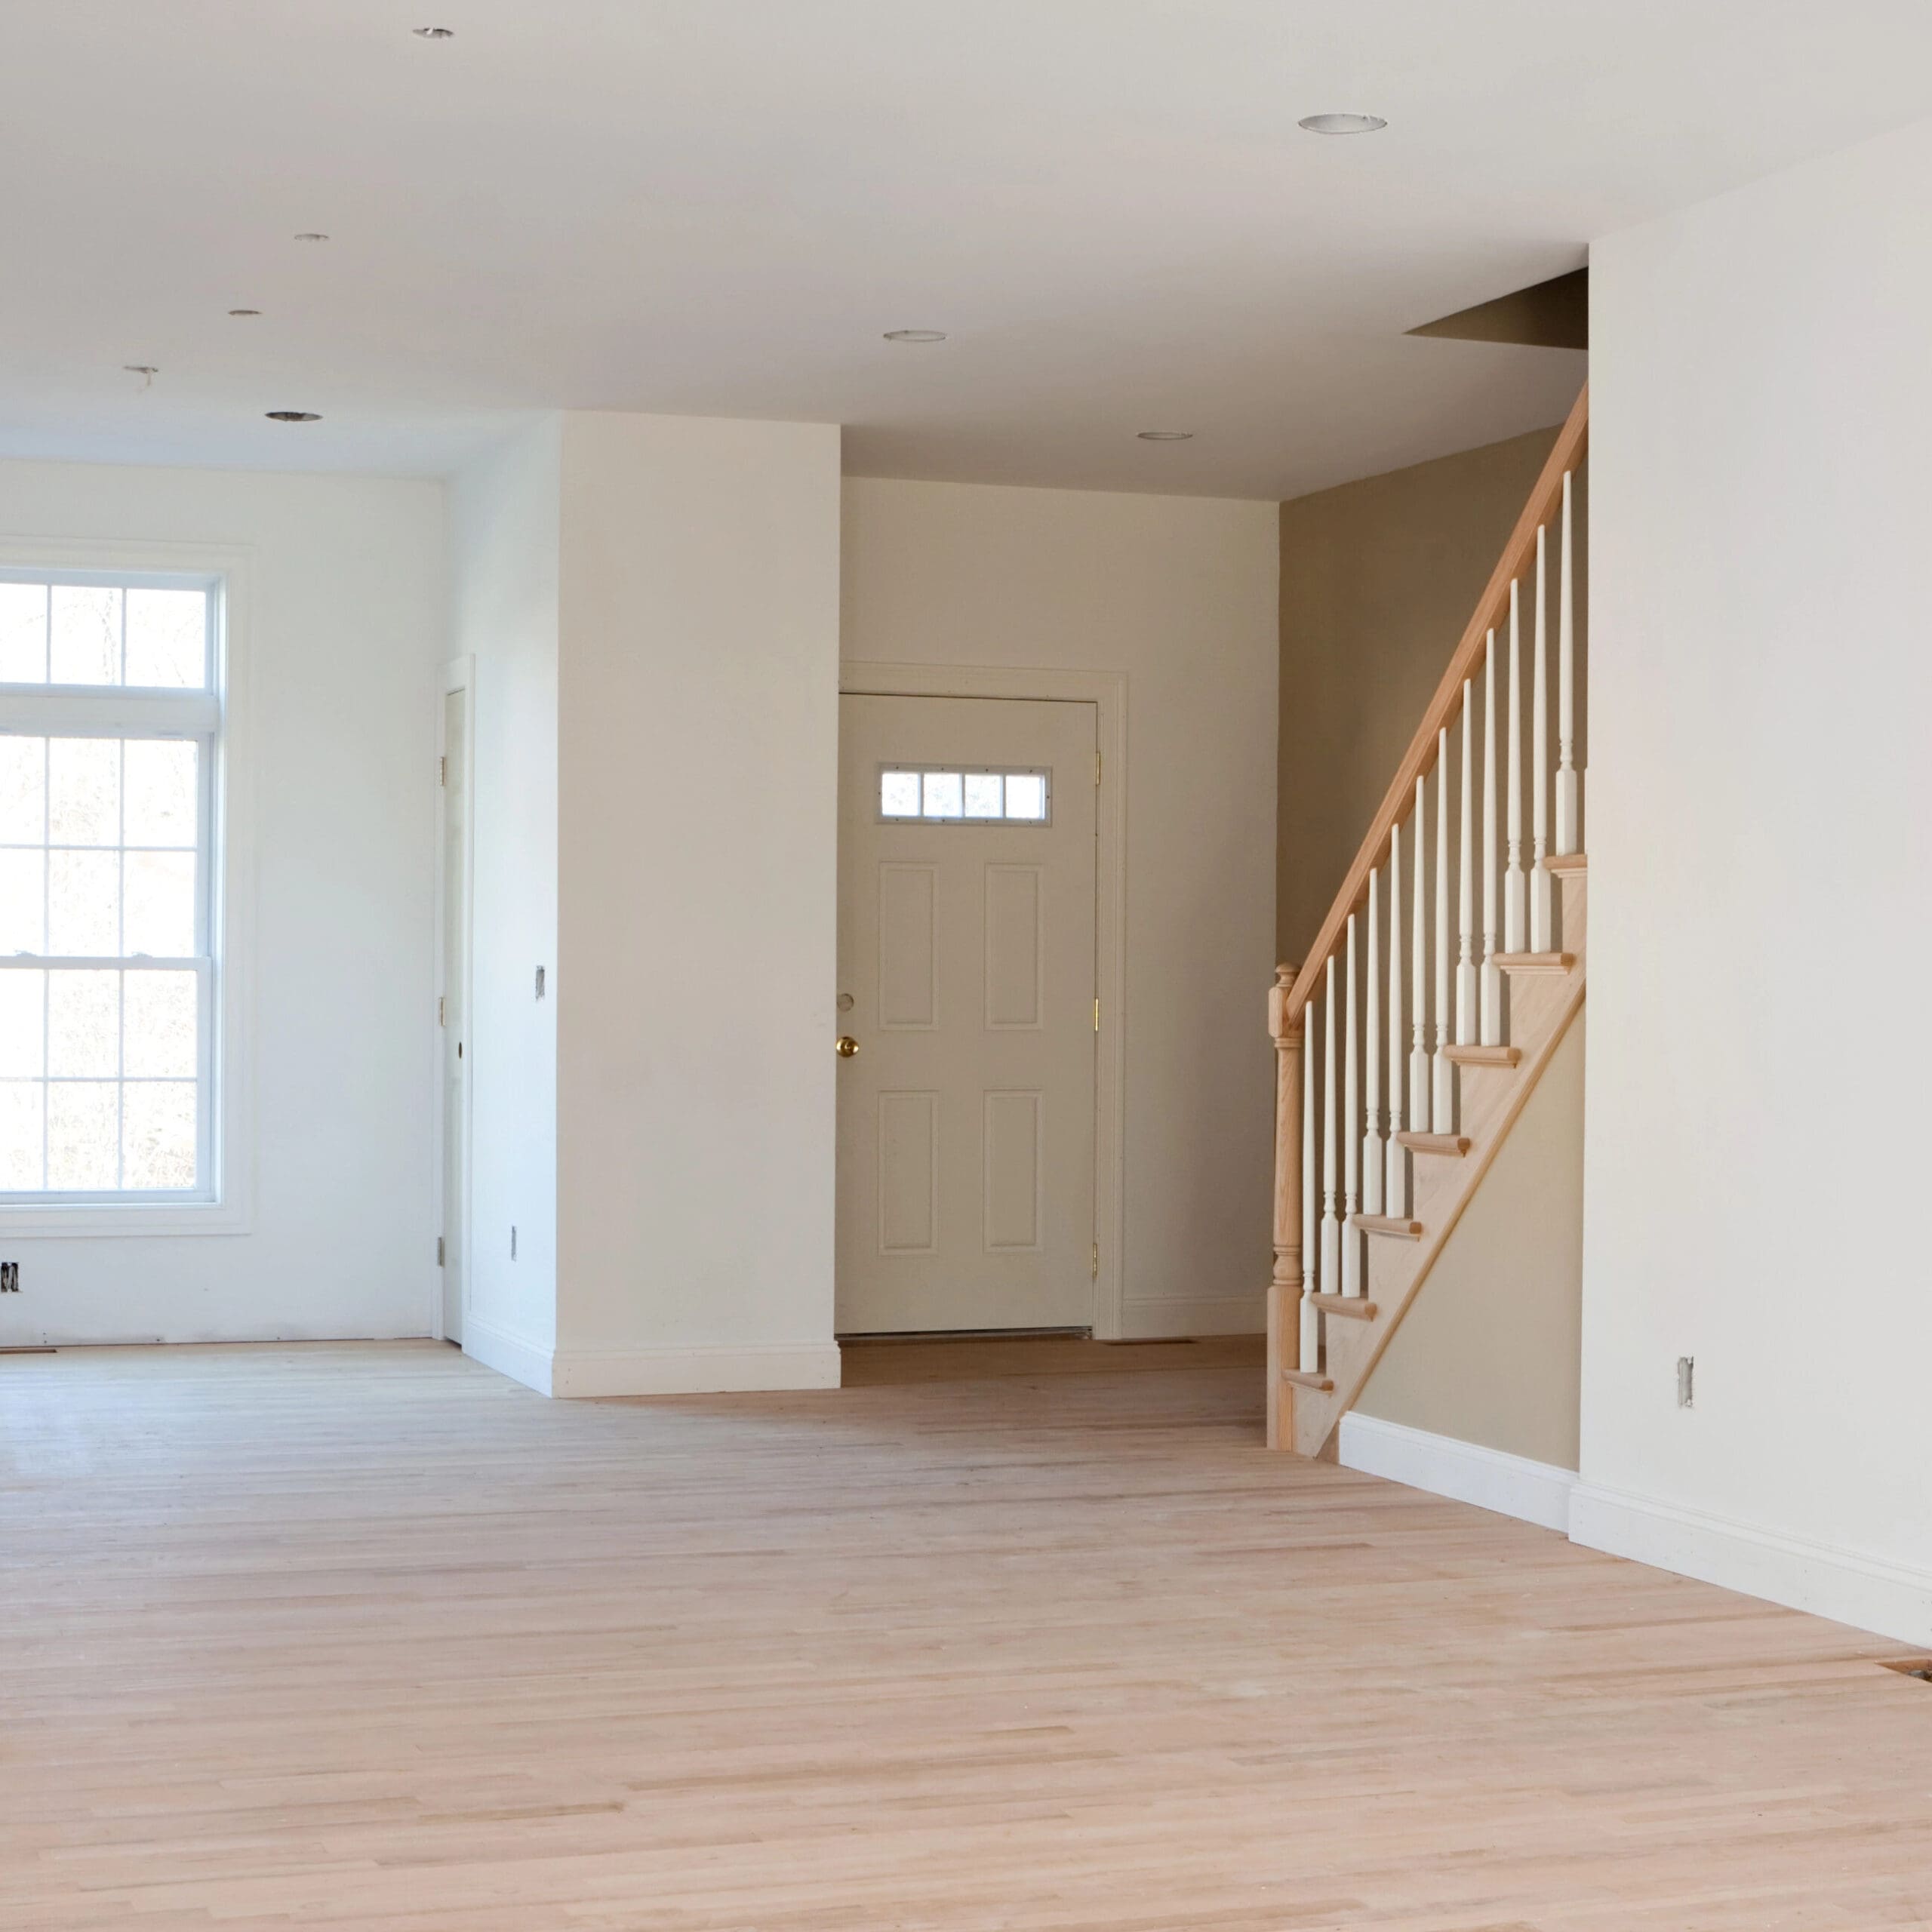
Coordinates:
1378	579
504	529
1179	594
698	737
1490	1352
1760	880
344	631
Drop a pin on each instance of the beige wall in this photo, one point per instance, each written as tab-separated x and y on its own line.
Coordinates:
1378	579
1178	593
1491	1352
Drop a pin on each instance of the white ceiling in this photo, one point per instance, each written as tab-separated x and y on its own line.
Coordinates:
719	206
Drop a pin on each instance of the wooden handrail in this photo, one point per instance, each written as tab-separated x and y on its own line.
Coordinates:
1490	608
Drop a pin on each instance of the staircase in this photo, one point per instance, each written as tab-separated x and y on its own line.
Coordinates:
1404	1054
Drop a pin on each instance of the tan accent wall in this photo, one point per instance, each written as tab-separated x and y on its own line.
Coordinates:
1491	1352
1378	579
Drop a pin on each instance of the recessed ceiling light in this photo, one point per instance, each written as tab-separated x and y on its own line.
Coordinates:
1343	123
1165	435
434	33
311	235
293	416
916	335
244	312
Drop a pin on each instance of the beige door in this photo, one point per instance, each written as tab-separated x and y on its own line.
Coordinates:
966	994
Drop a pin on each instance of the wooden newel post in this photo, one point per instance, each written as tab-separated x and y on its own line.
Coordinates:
1285	1290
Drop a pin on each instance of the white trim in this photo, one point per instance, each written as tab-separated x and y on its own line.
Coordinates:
231	881
458	674
708	1371
516	1356
1537	1493
1160	1316
1826	1580
1106	691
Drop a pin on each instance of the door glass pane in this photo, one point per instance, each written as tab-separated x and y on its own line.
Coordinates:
83	790
168	637
22	790
22	1039
22	1105
159	791
83	1133
1025	795
899	795
23	902
942	795
161	904
22	634
83	1025
982	795
159	1025
158	1133
83	903
86	634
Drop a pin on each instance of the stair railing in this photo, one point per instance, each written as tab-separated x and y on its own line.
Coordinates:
1342	1147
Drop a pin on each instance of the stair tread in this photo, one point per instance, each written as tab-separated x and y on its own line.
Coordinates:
1433	1143
1566	862
1322	1384
1482	1056
1534	962
1385	1224
1356	1307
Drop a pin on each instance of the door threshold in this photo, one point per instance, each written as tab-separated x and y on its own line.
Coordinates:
904	1335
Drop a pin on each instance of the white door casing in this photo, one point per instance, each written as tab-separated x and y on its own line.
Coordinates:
967	982
452	999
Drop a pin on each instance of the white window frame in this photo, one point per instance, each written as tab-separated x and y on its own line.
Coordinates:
215	715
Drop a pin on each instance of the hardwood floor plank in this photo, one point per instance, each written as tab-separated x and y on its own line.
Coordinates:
368	1637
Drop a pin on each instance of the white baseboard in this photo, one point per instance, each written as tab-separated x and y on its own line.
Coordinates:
1511	1485
521	1360
1887	1598
583	1372
1163	1316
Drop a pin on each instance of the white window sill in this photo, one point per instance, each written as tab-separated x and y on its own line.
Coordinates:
96	1219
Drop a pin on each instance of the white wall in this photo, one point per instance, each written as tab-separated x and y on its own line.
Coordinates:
1179	594
504	528
1760	879
345	629
699	841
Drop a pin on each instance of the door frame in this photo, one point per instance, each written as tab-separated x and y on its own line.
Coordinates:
458	674
1107	690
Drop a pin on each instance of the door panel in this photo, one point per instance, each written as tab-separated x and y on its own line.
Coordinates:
966	959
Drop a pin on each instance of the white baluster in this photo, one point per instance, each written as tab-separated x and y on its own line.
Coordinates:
1418	1106
1371	1139
1492	973
1310	1362
1568	797
1512	875
1396	1194
1442	1110
1540	770
1331	1229
1465	964
1352	1235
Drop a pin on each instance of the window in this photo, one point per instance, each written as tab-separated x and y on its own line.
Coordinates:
108	731
982	795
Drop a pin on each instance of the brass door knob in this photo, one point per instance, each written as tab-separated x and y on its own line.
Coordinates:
847	1046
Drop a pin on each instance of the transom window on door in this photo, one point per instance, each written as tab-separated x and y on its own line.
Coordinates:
976	794
108	725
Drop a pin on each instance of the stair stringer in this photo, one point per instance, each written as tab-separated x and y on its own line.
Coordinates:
1541	1008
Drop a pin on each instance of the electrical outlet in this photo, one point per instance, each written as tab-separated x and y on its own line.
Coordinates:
1687	1373
9	1277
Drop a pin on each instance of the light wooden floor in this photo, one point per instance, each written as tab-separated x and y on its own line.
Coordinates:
369	1637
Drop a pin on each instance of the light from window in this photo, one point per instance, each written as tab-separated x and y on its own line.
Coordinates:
943	797
106	968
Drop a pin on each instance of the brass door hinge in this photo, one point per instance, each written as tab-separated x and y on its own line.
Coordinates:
1095	1271
1096	1013
1097	768
439	1009
439	1250
442	771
